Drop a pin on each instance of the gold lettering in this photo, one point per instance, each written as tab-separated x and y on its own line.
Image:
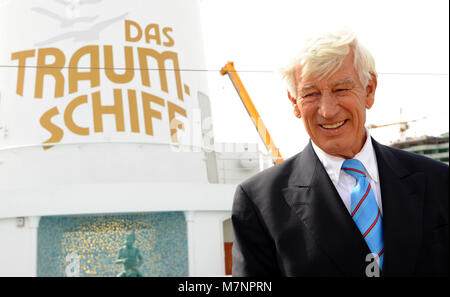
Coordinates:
161	59
174	122
68	116
150	113
156	36
128	36
128	75
93	75
134	118
22	57
53	69
170	41
116	109
57	132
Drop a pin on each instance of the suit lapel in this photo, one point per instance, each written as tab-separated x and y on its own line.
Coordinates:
318	205
402	194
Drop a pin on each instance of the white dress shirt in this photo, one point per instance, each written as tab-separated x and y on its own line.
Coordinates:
344	182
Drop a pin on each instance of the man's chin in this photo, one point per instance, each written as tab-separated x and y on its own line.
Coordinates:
336	149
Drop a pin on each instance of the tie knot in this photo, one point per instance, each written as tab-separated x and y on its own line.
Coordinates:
354	167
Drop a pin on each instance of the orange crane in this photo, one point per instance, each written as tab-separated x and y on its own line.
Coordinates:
403	125
252	112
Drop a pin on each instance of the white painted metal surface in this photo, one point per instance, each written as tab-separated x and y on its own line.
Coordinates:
96	92
95	71
91	124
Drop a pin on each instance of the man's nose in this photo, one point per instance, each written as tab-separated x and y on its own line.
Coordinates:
328	106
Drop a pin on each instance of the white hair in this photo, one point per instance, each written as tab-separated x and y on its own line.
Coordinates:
323	54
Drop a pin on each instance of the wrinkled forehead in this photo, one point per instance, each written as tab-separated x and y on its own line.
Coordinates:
345	81
346	74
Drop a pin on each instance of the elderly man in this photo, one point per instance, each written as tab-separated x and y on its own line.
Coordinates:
346	205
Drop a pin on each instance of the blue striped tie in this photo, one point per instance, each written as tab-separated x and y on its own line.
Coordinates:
364	209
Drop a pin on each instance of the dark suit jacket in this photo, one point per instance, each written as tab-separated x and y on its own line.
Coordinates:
289	220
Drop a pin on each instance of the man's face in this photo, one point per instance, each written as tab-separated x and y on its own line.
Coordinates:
334	109
129	242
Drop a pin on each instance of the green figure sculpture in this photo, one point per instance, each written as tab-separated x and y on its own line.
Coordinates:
130	257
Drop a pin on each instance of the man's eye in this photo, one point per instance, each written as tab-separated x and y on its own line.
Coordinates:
310	95
341	90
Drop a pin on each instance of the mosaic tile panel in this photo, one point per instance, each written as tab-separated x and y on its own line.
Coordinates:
89	245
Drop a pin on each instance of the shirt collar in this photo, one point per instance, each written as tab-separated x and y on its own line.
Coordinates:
333	164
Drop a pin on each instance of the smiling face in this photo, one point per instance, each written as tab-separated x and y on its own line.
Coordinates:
333	109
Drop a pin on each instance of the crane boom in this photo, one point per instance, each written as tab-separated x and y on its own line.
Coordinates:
403	123
252	112
372	126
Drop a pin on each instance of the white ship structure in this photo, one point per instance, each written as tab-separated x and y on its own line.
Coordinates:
105	129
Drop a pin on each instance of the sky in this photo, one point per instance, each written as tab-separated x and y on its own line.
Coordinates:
408	39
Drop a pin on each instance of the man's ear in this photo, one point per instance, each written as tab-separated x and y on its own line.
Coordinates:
370	91
292	99
294	105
